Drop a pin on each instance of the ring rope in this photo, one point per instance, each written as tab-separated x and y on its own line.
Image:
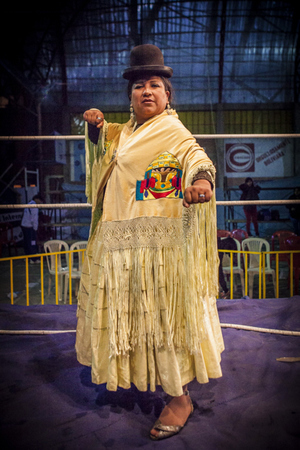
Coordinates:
196	136
260	330
223	325
88	205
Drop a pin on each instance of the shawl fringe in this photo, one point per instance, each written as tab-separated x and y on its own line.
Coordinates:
163	296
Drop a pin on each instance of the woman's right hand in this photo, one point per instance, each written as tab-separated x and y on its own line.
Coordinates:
94	117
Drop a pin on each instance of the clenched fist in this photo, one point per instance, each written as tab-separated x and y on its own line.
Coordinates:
94	117
200	192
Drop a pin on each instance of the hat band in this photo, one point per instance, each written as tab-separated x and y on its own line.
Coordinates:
134	71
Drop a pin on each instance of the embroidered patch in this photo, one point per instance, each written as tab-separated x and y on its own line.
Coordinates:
107	145
162	179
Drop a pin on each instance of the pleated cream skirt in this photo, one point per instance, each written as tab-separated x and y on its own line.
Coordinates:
133	321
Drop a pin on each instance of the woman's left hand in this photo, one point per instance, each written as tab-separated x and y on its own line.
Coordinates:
200	192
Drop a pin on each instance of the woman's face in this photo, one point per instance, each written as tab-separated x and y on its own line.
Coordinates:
149	98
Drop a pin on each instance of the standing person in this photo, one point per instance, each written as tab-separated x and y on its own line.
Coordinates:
250	191
29	224
294	211
227	243
147	302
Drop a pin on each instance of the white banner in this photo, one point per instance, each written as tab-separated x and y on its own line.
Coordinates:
271	158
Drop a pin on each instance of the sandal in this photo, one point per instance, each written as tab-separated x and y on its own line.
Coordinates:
166	431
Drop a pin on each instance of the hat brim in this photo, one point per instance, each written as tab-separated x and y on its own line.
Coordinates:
136	71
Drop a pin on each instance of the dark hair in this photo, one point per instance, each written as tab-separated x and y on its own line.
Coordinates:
167	84
38	196
248	179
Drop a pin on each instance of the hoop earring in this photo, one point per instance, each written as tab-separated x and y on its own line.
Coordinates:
169	109
132	115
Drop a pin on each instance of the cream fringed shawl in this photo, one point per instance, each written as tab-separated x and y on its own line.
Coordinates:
157	262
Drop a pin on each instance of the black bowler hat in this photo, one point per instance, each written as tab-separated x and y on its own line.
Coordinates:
146	59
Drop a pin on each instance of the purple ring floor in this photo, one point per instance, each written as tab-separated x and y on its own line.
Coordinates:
48	400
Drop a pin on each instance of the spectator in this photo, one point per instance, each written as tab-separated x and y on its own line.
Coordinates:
29	224
294	211
250	191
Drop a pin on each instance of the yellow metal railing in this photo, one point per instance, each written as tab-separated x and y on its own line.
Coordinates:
66	270
261	270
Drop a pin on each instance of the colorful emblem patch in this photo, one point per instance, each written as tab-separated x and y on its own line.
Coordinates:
162	179
107	145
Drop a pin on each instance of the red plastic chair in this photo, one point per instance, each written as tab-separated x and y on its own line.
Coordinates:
293	243
280	237
223	233
239	234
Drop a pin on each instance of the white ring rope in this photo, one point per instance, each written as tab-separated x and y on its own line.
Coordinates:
48	205
81	137
223	325
36	331
88	205
260	330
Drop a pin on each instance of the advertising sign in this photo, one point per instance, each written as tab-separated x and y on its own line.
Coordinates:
258	158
